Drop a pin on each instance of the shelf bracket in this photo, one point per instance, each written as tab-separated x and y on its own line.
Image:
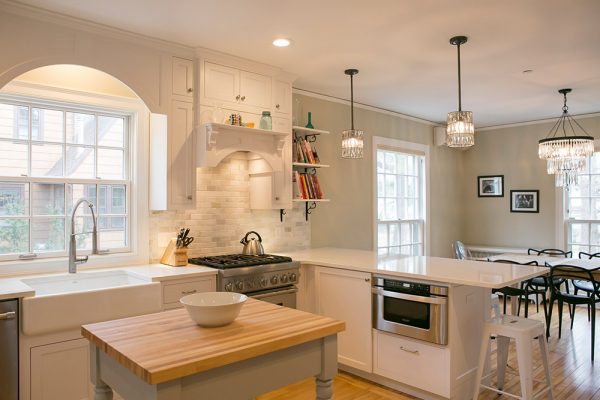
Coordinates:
309	208
282	212
211	137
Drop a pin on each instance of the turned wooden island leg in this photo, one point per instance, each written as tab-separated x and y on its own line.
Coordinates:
101	390
328	368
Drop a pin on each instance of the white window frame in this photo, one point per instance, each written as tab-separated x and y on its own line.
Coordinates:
406	147
561	220
137	153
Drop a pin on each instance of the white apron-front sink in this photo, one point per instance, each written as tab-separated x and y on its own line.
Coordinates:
67	301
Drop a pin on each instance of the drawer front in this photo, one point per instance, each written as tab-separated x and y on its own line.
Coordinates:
413	363
173	292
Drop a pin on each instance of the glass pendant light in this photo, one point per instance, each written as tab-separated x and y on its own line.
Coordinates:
566	155
352	139
460	131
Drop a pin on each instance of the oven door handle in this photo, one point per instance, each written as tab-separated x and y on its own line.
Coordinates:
274	292
409	297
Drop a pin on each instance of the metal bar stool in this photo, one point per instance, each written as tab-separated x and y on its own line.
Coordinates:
523	331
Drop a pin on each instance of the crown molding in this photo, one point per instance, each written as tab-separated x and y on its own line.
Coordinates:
40	14
534	122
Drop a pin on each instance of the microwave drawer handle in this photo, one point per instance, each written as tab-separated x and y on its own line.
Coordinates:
409	297
274	292
416	352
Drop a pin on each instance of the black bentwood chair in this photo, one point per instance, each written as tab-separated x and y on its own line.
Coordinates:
523	292
567	273
541	282
584	285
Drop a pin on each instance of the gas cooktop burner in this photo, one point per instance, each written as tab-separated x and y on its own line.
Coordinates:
238	260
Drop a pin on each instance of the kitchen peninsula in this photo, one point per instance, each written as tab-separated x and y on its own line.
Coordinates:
342	284
167	356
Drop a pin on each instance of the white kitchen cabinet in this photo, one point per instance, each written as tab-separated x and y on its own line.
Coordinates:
175	290
346	295
61	371
411	362
282	97
181	187
183	78
234	88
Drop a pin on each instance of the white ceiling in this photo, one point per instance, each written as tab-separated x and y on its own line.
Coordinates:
400	47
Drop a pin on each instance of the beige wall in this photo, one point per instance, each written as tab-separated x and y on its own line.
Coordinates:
511	152
347	221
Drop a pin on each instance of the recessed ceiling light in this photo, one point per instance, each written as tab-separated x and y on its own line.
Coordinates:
281	42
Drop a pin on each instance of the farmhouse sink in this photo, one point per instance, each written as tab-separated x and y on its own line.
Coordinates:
67	301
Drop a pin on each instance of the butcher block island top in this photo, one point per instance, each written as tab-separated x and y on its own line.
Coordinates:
169	345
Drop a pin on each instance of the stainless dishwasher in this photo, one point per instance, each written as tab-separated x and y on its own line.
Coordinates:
9	349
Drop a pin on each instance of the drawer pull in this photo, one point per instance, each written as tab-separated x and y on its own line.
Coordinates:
188	291
408	350
8	315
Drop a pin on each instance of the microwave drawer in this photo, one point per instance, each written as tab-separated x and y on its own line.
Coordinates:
411	362
172	292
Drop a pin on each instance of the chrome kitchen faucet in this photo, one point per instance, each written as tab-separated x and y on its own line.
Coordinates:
73	260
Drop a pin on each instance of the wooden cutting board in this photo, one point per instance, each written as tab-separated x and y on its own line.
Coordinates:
169	345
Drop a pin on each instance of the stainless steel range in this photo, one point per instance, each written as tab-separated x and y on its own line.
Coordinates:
266	277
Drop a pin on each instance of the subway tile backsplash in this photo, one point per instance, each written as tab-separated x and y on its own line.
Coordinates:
222	216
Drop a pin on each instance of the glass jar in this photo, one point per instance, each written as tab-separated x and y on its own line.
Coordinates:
266	122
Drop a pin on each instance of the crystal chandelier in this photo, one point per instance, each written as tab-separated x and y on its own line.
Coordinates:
566	156
460	131
352	139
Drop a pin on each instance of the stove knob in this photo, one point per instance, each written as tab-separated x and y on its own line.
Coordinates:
263	281
284	278
274	279
228	286
293	277
239	285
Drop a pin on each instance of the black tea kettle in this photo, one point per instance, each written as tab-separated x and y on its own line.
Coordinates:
252	246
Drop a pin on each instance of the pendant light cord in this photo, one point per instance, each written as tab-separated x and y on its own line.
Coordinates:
352	100
459	90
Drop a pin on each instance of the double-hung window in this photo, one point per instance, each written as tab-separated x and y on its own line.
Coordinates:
401	190
582	210
51	155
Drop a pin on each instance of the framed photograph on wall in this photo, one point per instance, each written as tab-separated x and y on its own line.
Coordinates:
525	201
490	186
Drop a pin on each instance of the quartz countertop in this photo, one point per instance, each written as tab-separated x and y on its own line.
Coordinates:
13	287
433	269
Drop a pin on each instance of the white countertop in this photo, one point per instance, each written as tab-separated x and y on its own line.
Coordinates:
12	288
434	269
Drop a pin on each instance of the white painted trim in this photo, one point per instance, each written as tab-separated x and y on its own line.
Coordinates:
559	218
534	122
139	147
402	145
363	106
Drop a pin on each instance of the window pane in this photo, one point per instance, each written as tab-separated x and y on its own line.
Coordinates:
48	234
14	198
394	235
13	158
47	125
595	164
48	199
579	208
390	186
595	211
416	231
80	191
118	202
390	162
381	209
402	163
582	189
405	235
14	235
382	237
595	185
111	131
380	158
579	233
380	185
80	162
595	235
411	165
112	232
406	250
14	122
391	209
46	159
110	164
81	128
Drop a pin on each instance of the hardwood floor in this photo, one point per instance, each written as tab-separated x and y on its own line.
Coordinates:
573	374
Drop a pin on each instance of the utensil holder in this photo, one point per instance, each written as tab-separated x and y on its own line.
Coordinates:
173	256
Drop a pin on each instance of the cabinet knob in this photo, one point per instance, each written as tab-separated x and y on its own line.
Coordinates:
243	98
367	279
189	197
190	90
237	97
277	106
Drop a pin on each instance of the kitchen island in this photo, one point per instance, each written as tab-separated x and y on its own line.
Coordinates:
167	356
340	283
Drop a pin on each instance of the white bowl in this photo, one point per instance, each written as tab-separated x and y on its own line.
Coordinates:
212	309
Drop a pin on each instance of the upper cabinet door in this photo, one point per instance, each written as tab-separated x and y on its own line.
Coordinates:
282	96
221	84
255	90
182	171
183	77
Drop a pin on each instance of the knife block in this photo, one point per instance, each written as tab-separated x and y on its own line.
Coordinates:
173	256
